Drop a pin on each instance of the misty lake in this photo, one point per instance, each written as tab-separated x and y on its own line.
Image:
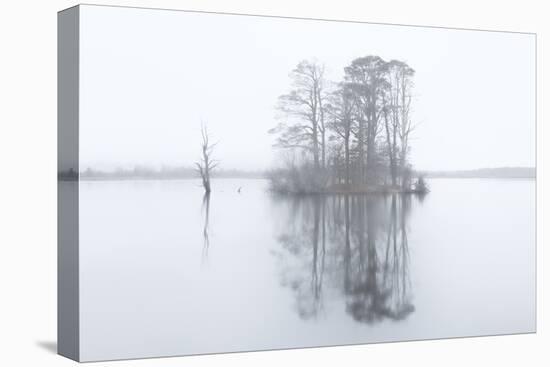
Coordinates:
164	271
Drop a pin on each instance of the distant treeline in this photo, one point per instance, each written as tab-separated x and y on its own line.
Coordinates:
500	172
164	173
191	173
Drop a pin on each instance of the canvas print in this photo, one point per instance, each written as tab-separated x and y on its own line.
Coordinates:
238	183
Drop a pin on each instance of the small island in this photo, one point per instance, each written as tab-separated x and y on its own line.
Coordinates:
350	136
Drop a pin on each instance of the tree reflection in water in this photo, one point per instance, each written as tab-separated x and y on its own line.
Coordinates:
355	246
205	228
305	243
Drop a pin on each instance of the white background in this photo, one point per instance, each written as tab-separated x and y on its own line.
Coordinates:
28	182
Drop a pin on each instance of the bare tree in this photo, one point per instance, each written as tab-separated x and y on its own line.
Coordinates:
396	112
340	110
366	77
304	104
392	124
406	127
322	96
206	164
397	108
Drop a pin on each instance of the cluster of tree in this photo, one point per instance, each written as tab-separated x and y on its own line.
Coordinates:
349	136
355	246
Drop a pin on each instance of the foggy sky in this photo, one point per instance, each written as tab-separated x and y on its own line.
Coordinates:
148	79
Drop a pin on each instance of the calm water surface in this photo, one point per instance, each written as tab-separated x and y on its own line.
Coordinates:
165	271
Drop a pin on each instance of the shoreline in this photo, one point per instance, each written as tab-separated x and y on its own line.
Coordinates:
98	179
371	191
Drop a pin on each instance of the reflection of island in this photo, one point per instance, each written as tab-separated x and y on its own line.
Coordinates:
354	247
347	136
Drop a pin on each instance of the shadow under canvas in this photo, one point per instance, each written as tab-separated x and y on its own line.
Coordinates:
48	345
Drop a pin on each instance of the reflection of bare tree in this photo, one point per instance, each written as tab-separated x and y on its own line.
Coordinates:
306	242
206	239
396	259
361	240
382	290
365	300
318	253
